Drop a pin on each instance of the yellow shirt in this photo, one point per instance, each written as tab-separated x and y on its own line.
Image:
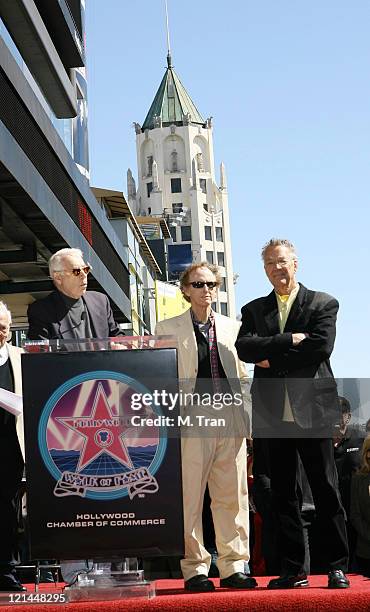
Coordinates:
285	303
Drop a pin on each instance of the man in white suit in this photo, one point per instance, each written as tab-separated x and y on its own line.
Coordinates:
206	355
11	456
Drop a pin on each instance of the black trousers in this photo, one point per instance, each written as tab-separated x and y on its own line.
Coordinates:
317	456
364	566
11	469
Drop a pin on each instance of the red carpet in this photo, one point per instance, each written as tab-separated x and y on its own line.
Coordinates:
171	597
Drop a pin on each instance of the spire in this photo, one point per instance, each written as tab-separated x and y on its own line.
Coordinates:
155	176
131	186
223	183
169	60
172	103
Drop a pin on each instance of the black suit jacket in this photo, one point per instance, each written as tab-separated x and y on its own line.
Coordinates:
304	370
48	317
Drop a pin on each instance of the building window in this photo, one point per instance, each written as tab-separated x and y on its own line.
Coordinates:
172	229
214	306
209	256
149	160
219	236
149	189
177	207
207	232
200	162
224	310
205	206
186	233
176	185
203	185
174	165
221	258
223	284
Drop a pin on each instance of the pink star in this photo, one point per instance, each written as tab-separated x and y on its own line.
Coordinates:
102	432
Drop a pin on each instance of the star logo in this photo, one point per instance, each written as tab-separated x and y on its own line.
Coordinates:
102	432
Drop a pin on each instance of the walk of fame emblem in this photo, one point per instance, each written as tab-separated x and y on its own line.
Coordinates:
88	444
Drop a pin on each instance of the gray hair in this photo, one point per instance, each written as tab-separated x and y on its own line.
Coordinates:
5	310
274	242
55	261
184	276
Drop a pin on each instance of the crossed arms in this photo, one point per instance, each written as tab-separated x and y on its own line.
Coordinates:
288	351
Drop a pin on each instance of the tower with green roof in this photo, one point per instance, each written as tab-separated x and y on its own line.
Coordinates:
171	103
176	179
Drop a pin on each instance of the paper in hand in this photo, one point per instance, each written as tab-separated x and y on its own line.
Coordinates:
11	402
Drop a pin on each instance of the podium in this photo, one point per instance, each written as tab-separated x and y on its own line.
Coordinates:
103	473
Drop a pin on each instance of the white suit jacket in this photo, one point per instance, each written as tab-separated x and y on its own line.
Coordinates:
15	362
226	332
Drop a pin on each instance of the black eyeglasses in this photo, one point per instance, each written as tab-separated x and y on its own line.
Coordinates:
200	284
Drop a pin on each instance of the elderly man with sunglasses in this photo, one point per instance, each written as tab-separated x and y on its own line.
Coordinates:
71	312
207	360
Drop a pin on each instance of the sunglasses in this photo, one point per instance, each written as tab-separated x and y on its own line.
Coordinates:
200	284
77	271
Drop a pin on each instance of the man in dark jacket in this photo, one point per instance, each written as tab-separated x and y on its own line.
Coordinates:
347	453
70	311
289	336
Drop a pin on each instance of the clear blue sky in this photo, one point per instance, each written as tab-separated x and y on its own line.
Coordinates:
288	85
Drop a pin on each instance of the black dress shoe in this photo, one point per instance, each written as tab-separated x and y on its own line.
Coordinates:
199	584
239	580
288	582
337	580
11	584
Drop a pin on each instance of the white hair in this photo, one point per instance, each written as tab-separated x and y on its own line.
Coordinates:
55	261
5	310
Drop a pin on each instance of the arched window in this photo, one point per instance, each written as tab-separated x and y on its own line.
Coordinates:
174	165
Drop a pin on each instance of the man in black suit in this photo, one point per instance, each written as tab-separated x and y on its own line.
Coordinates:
289	336
347	453
70	312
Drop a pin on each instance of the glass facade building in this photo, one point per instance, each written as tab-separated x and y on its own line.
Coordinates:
45	198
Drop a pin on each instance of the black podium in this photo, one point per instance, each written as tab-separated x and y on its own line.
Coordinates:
103	475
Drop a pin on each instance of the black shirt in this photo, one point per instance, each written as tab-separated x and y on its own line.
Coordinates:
78	317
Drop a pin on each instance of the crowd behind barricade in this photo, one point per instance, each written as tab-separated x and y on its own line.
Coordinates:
289	502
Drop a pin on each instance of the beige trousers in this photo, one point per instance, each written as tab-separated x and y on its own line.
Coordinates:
222	462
